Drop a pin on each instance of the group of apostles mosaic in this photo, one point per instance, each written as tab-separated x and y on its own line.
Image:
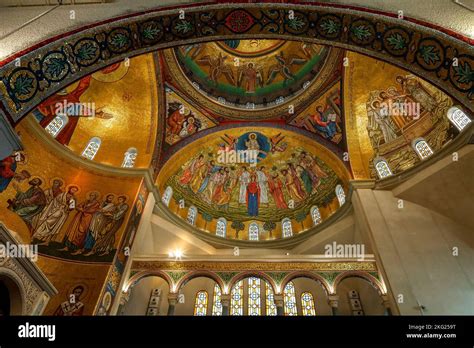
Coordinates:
45	211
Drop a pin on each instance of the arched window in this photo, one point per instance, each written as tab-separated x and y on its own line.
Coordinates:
166	198
382	168
221	227
422	148
315	215
200	305
216	302
271	309
307	304
91	149
129	158
237	299
286	228
341	196
254	296
253	231
192	214
289	299
58	123
457	117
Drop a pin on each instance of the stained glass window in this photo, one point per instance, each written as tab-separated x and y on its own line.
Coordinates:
166	198
341	196
422	148
253	231
200	305
289	299
287	228
129	158
92	148
307	304
221	227
254	296
457	117
55	126
316	216
382	168
270	300
237	299
192	214
216	303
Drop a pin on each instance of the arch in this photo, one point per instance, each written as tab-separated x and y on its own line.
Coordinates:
18	102
256	274
57	124
133	280
221	227
422	148
167	195
358	274
196	274
305	274
129	158
315	215
16	291
382	168
286	227
92	148
458	118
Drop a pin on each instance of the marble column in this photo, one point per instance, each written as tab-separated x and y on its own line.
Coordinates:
279	304
225	301
333	301
172	300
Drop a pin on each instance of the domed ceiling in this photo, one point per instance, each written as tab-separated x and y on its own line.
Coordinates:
251	74
313	122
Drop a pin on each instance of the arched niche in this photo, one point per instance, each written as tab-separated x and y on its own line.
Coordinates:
368	296
141	293
11	288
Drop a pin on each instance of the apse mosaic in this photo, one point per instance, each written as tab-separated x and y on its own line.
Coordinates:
388	110
68	212
104	105
251	74
248	174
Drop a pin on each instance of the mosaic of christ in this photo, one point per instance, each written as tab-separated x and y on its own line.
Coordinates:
252	175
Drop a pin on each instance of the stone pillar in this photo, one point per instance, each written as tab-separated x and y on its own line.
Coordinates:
333	301
225	301
172	300
386	304
414	249
279	304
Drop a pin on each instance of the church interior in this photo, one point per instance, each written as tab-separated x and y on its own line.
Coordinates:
236	159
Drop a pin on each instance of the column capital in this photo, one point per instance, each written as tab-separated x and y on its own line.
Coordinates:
333	300
172	298
225	299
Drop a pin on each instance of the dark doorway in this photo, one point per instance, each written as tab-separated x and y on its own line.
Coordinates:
4	300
